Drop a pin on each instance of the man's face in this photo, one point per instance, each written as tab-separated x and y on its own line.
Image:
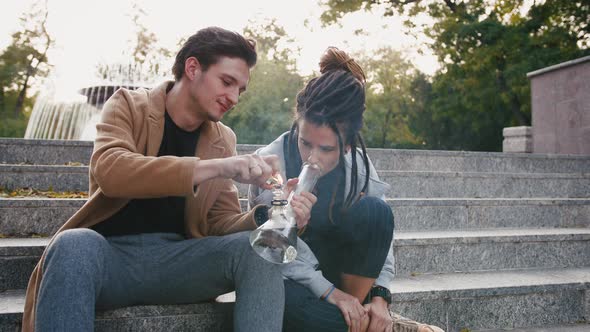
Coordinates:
216	90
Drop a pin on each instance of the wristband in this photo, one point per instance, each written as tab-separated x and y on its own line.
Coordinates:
330	292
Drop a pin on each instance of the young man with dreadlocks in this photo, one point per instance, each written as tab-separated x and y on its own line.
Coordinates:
345	264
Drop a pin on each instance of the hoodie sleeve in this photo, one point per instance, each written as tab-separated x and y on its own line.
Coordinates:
379	188
303	270
387	273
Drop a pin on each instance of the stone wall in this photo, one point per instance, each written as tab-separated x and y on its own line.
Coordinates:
561	108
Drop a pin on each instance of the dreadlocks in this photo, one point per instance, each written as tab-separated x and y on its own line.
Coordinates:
336	99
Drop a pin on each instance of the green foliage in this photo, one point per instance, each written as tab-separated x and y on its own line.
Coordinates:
13	127
485	49
265	109
486	53
338	8
10	126
389	76
145	57
272	42
23	63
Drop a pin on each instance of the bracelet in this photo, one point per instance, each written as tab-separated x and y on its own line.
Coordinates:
330	292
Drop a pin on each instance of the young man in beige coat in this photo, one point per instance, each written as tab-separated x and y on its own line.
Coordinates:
163	222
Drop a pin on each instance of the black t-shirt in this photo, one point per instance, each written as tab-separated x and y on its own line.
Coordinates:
155	215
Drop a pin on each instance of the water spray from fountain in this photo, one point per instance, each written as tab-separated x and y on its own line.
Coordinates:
74	115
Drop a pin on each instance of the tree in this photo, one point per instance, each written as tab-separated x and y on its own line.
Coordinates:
573	16
22	63
487	52
145	57
389	78
265	109
485	49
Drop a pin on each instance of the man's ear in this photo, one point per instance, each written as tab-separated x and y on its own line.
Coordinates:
346	149
192	67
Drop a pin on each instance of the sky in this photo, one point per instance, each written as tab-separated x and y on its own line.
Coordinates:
89	32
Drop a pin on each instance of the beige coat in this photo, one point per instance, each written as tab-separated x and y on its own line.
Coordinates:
123	165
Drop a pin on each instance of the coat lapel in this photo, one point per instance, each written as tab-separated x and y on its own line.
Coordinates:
210	144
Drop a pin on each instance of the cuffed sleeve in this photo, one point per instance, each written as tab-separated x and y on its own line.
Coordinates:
303	270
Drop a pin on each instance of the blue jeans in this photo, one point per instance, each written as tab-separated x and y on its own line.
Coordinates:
84	271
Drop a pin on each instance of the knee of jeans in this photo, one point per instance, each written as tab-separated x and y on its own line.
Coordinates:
253	260
75	248
370	215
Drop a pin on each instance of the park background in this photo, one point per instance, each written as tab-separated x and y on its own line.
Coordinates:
442	75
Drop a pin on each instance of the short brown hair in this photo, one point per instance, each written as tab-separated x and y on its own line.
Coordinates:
209	44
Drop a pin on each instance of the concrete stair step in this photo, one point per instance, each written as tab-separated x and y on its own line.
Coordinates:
468	161
60	152
405	184
418	184
205	317
483	301
18	257
517	224
416	252
410	184
25	216
58	178
495	299
579	327
420	214
494	249
44	152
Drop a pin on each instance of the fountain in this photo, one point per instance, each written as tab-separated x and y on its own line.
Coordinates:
73	119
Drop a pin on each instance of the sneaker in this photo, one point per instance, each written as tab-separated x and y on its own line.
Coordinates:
402	324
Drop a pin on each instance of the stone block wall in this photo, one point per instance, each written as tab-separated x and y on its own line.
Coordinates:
561	108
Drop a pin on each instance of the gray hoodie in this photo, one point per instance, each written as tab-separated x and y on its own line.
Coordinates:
304	269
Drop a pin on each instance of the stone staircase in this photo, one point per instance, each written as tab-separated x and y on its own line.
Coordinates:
484	241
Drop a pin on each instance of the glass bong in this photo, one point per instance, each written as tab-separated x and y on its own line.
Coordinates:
276	239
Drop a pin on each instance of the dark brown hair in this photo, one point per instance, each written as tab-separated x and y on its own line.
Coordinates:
209	44
337	99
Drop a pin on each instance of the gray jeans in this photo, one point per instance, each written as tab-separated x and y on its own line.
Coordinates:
84	271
